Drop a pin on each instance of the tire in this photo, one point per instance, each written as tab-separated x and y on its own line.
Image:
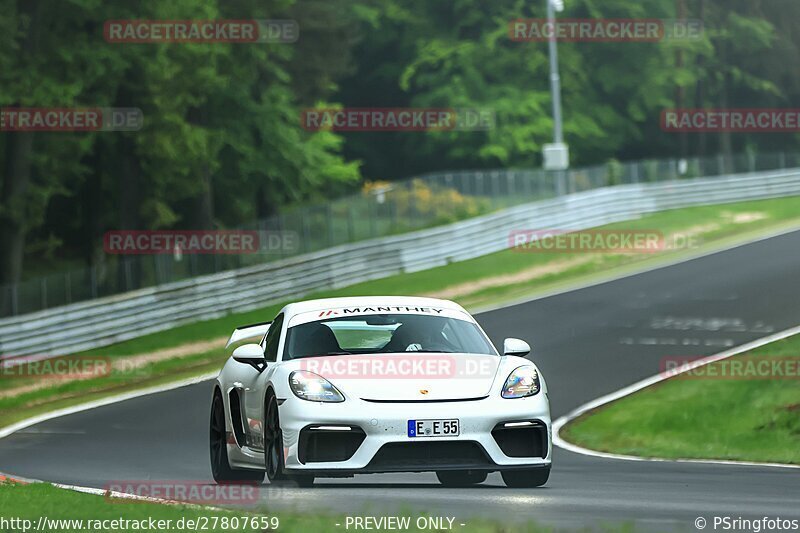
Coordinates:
218	447
527	478
273	450
461	478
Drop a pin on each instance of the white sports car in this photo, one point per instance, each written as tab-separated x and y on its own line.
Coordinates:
344	386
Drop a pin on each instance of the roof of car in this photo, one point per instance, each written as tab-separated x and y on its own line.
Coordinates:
368	301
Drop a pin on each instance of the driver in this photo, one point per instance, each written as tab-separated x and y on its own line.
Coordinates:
415	335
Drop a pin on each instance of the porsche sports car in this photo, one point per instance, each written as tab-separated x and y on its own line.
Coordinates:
344	386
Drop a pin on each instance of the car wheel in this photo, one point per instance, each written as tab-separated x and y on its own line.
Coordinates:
461	478
273	450
220	468
527	478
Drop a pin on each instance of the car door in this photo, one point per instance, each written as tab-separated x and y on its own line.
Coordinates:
252	393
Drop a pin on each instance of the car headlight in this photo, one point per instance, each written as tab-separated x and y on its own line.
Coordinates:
522	382
314	388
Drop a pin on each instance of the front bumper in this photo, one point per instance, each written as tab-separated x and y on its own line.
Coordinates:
382	443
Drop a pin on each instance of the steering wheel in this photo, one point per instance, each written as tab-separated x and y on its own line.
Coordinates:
430	347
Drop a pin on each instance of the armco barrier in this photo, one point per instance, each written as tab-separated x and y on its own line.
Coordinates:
104	321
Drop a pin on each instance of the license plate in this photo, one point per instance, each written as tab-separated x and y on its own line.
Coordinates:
433	428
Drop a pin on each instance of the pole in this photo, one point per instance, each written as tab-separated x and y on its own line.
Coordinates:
555	79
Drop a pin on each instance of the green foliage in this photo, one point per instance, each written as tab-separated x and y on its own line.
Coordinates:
459	54
222	144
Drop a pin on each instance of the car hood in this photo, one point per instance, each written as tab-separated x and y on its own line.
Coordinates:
408	376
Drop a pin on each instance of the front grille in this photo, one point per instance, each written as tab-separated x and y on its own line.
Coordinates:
522	441
423	456
322	446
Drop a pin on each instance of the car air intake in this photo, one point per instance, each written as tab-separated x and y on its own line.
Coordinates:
522	439
323	444
426	456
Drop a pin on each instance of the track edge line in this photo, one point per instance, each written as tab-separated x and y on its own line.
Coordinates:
639	385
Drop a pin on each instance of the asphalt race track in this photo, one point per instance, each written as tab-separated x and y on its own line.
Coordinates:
588	343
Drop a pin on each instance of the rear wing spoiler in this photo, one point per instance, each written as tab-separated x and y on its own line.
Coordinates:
253	333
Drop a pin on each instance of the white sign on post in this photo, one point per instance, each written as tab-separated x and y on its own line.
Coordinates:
556	156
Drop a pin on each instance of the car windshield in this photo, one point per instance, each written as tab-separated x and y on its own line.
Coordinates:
385	333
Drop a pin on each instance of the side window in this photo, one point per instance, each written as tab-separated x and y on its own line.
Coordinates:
273	336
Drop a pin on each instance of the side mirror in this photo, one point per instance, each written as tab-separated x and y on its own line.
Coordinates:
250	354
517	347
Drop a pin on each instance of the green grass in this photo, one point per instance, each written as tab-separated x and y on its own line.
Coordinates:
29	502
721	230
704	416
69	393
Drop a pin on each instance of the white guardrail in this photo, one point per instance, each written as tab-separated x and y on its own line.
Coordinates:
96	323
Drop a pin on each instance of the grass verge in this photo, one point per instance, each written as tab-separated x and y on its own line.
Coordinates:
69	511
745	408
476	283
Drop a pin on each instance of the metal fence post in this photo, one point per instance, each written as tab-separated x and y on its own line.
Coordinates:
351	236
306	230
412	203
329	223
450	207
127	271
159	269
43	285
560	182
14	299
393	212
279	227
372	216
93	280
